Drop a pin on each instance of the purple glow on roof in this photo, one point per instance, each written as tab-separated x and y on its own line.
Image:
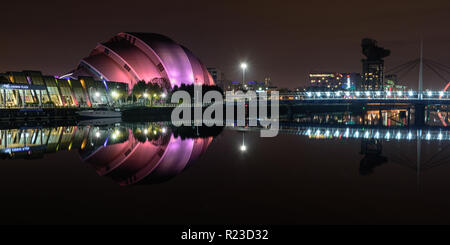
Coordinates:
132	57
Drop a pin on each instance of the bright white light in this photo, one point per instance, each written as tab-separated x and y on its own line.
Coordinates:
318	94
163	95
114	94
400	93
409	135
349	84
243	66
164	130
366	135
309	94
145	131
429	93
440	136
243	148
389	93
388	135
347	93
428	136
328	94
399	135
327	133
338	93
97	134
356	134
336	134
367	93
410	93
377	135
97	94
441	93
378	93
358	93
145	95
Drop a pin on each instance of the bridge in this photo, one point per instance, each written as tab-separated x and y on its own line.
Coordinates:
336	97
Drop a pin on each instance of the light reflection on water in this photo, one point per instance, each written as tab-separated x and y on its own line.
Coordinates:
311	173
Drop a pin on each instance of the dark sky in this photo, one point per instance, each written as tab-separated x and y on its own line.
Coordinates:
281	39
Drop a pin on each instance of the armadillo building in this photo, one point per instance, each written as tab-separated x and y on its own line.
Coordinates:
131	57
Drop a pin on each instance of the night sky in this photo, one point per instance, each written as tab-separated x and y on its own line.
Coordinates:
281	39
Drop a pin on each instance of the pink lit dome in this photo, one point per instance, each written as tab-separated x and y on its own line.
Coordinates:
131	57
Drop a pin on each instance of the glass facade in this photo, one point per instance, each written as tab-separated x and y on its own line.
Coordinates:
31	88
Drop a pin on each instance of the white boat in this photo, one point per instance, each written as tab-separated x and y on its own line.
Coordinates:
100	114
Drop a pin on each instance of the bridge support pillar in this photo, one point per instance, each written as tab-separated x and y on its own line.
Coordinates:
419	116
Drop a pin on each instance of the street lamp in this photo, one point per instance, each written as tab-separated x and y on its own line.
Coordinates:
243	67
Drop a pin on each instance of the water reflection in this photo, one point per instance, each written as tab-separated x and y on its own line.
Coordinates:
127	153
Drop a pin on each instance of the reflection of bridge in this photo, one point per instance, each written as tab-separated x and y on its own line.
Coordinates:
372	138
385	133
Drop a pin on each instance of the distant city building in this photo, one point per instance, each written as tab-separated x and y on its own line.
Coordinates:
391	83
267	82
373	65
27	88
330	81
217	75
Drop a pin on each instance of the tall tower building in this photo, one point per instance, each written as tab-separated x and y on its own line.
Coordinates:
373	65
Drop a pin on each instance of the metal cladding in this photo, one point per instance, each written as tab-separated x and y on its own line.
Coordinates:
134	161
131	57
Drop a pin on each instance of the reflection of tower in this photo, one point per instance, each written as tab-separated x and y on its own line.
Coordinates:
371	149
373	65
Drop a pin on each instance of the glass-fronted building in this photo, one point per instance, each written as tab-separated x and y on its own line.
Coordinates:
32	89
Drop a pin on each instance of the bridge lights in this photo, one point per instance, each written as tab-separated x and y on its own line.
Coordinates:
366	135
338	93
336	134
378	93
328	94
357	93
309	94
367	93
440	136
377	135
318	94
399	135
400	93
411	93
347	93
428	136
441	93
409	136
429	93
389	94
